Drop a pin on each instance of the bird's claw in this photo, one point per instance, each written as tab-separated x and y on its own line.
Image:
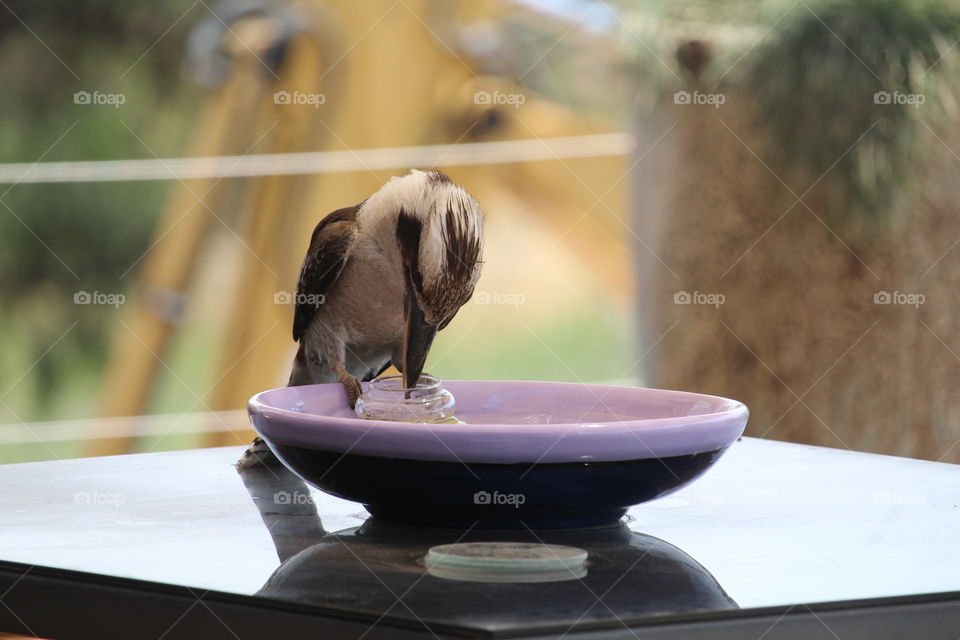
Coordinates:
350	384
354	391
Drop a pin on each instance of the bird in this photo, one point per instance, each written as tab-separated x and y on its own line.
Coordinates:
378	282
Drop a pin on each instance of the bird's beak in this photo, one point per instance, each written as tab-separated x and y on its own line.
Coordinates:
418	335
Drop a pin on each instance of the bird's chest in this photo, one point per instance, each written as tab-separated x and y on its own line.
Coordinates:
367	301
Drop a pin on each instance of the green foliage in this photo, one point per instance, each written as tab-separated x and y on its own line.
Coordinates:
56	240
811	71
815	84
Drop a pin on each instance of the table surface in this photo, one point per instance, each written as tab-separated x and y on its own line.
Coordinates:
770	524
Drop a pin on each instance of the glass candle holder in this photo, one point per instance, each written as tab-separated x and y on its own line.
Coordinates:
387	399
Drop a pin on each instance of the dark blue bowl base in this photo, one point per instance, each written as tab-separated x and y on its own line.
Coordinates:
494	496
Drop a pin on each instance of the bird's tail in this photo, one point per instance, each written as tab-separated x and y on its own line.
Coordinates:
258	452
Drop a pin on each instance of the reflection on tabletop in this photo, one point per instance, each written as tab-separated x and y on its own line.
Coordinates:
371	567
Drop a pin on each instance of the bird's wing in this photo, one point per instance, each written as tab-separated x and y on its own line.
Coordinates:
330	245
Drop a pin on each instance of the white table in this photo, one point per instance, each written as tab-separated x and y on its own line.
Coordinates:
775	524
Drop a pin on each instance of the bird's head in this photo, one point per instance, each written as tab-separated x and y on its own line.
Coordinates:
439	240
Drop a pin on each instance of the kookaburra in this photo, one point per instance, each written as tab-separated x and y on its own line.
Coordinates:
380	279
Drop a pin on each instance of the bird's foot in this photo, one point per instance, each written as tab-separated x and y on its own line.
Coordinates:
354	391
257	453
350	384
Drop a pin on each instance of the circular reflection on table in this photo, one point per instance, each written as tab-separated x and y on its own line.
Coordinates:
379	568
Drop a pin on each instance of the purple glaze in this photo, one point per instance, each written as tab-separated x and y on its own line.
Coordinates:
620	423
602	423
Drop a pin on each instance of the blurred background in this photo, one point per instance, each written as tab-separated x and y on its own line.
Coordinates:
750	199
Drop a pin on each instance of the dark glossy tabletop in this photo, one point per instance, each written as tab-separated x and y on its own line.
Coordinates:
771	524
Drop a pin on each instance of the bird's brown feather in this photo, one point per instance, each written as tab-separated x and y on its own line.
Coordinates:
409	229
330	246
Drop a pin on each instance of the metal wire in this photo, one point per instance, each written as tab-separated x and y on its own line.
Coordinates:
316	162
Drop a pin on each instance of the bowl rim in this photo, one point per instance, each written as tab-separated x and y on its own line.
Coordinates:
727	406
519	443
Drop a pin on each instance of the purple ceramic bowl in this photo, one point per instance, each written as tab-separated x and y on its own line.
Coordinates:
577	454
